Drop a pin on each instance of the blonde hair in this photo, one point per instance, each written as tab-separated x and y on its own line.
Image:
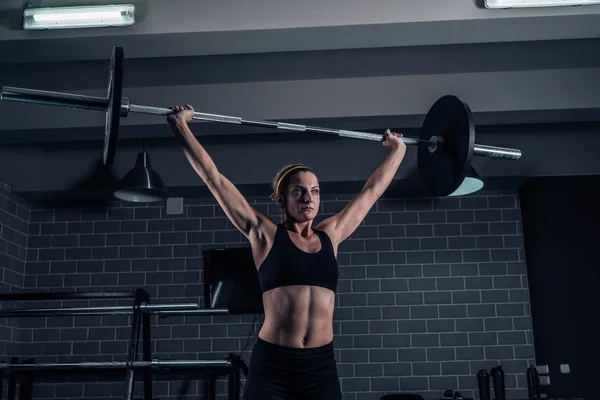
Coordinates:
280	182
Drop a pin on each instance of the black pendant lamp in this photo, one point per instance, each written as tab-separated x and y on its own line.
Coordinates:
142	184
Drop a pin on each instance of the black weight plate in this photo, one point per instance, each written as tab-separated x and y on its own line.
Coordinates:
113	112
442	172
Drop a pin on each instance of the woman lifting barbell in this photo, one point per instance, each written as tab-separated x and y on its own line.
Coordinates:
297	267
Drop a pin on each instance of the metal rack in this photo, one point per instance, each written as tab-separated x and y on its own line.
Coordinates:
141	311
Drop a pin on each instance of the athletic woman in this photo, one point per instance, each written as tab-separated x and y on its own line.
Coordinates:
297	267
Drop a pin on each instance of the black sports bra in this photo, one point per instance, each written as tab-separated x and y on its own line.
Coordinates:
287	265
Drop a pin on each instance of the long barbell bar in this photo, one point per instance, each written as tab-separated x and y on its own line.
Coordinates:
160	309
83	102
157	364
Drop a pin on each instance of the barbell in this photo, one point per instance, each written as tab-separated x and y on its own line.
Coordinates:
446	142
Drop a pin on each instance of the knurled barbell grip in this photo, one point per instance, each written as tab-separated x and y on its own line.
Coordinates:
496	152
135	108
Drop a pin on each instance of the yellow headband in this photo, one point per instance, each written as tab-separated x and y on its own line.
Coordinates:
283	176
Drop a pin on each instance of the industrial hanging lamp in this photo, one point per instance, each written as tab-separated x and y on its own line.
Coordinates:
142	184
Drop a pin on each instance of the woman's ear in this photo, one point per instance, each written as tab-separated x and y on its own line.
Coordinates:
279	201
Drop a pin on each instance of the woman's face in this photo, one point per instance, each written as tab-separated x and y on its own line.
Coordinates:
301	198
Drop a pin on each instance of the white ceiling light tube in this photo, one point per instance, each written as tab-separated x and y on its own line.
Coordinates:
537	3
78	17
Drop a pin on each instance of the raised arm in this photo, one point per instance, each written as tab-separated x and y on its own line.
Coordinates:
343	224
245	217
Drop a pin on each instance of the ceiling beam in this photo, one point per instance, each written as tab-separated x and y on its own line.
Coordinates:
32	169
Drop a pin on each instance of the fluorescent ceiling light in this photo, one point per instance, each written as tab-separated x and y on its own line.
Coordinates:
78	17
537	3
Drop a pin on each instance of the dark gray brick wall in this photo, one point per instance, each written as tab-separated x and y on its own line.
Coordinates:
431	291
14	216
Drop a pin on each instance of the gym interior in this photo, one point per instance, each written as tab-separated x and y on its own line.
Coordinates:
484	293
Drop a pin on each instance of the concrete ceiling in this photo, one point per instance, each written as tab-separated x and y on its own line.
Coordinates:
530	77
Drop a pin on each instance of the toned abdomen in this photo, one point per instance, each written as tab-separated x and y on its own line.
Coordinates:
298	316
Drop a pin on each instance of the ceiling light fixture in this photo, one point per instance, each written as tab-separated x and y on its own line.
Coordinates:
142	184
78	17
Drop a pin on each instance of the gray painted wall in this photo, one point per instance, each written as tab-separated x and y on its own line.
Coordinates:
431	291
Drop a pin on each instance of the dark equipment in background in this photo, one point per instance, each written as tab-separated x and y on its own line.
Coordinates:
497	374
560	217
533	383
483	384
231	281
24	373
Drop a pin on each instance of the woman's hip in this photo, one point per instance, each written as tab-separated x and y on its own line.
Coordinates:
283	360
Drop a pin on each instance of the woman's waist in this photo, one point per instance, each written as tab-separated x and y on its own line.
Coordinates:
290	325
290	331
284	339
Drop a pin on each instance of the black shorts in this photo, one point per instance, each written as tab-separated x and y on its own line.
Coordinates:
282	373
